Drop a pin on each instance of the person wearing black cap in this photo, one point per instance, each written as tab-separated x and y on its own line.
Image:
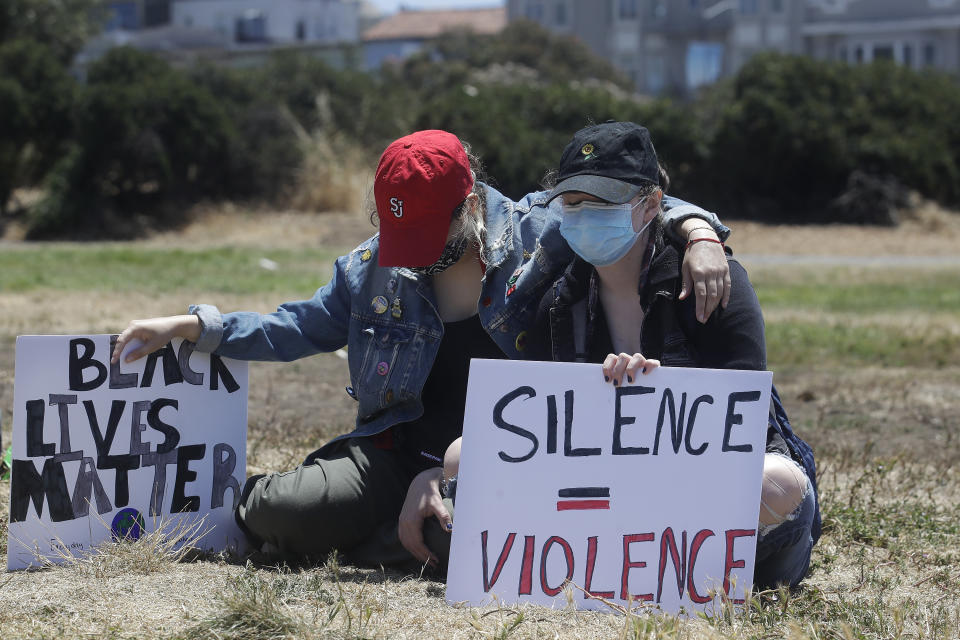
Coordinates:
617	304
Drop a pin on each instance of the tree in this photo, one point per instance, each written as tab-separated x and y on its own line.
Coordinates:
148	141
62	25
36	95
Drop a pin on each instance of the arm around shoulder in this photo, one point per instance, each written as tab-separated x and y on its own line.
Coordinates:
733	337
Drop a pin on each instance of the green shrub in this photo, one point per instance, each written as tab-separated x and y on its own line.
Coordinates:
795	131
519	131
36	96
264	153
148	141
62	25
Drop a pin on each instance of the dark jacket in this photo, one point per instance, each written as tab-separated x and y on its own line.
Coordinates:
571	327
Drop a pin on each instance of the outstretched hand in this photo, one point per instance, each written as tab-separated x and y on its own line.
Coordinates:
154	333
423	501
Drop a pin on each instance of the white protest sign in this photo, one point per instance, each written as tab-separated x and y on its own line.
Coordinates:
645	493
105	451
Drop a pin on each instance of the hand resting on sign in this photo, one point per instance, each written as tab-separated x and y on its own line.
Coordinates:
615	366
154	333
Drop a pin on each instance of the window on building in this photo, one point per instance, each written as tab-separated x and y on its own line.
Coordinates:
929	54
301	33
535	11
883	52
748	7
251	27
561	13
627	9
658	9
656	73
776	6
704	63
842	53
123	15
858	54
908	55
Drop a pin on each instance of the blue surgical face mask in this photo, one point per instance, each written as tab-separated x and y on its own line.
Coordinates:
600	233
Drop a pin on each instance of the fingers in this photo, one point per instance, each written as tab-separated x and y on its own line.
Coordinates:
442	515
714	288
613	367
638	365
687	281
411	537
727	288
608	364
154	333
122	341
700	288
621	367
151	342
706	271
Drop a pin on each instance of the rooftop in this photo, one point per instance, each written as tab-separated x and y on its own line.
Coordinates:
429	24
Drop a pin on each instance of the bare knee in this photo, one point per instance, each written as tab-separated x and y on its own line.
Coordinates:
784	487
451	459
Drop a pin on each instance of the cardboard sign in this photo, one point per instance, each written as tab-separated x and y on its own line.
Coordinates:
645	493
103	450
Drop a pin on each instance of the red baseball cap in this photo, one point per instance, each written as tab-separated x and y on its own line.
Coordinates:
421	178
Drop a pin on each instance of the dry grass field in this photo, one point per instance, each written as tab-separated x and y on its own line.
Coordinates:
864	342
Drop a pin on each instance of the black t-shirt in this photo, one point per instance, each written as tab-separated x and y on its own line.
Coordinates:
444	394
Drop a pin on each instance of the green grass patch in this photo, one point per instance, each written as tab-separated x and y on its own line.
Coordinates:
937	294
791	343
879	524
162	270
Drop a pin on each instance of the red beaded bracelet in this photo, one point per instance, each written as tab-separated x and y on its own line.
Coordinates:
703	240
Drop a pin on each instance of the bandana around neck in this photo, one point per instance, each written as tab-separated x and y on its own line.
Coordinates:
452	253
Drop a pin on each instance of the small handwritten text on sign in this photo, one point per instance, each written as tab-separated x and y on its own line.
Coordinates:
645	493
105	450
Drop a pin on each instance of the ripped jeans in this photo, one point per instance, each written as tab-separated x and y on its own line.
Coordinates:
783	549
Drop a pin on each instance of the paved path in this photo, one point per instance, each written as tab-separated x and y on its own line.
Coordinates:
849	261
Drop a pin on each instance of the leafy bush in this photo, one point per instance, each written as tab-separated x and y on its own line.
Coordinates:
264	152
36	96
148	140
795	130
62	25
519	131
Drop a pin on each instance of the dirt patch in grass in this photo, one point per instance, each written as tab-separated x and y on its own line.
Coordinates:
928	231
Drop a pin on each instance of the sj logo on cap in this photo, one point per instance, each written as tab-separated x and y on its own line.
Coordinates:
396	207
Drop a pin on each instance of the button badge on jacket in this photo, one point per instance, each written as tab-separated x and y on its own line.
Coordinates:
379	305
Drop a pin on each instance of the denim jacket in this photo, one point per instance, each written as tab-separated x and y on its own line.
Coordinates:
387	316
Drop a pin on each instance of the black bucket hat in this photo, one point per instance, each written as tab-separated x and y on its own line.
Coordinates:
612	161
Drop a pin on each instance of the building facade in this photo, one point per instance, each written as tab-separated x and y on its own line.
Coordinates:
273	21
676	46
914	33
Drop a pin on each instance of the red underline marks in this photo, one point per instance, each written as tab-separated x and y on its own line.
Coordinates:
574	505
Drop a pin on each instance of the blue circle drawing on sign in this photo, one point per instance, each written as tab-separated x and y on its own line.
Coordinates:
127	524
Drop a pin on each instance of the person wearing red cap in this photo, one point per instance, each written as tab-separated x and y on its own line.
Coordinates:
455	273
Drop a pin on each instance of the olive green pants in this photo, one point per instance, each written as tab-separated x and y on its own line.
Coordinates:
346	496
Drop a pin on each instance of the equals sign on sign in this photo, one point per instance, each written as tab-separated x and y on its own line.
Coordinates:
583	498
